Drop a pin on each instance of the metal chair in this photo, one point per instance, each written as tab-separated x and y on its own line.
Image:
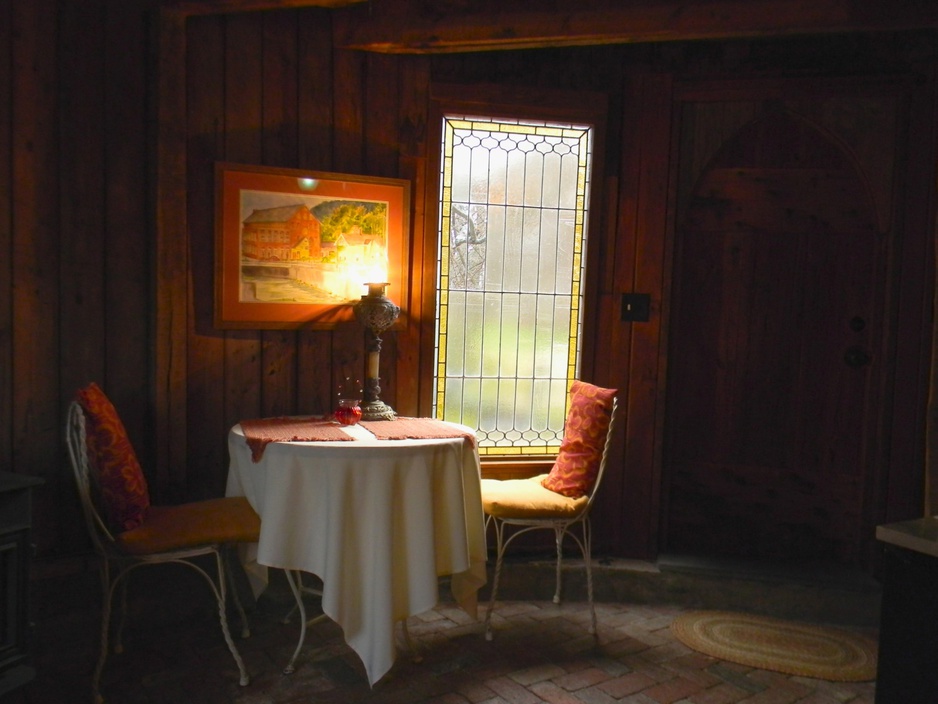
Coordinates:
168	534
527	505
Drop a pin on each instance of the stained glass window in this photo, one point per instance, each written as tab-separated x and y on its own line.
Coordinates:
514	199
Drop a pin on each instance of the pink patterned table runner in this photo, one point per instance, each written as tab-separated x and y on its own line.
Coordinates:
261	431
406	428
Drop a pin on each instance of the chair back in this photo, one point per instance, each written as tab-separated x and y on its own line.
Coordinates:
605	455
86	480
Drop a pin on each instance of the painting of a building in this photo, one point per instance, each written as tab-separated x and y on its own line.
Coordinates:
285	233
357	249
313	251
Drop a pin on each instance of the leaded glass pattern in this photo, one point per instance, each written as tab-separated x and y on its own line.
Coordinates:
513	209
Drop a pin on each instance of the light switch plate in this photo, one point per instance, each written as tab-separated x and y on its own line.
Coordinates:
636	307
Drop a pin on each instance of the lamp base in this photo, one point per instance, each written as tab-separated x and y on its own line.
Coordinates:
377	410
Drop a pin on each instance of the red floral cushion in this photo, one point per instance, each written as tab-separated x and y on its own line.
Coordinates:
584	437
123	487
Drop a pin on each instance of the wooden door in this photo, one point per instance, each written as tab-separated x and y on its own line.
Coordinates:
777	336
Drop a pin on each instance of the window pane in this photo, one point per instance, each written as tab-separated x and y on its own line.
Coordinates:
512	227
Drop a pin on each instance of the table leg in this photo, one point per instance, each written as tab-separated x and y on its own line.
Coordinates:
296	586
288	670
303	590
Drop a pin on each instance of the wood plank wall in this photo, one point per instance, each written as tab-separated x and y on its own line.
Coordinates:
260	91
111	117
380	129
74	235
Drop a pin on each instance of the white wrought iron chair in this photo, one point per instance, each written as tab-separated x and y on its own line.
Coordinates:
167	534
526	505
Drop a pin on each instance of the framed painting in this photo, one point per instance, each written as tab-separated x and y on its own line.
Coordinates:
296	248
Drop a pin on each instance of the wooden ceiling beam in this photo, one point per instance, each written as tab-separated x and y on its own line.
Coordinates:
442	26
217	7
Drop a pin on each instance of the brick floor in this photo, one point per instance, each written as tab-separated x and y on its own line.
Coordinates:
541	653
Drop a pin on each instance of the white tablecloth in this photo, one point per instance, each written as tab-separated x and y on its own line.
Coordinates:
377	521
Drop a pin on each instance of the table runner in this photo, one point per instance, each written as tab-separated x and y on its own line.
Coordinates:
405	428
259	432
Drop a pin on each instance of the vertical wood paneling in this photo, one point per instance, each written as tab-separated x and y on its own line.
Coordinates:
35	257
348	111
314	90
127	248
6	236
74	233
279	119
81	213
424	280
381	120
414	106
641	267
81	196
646	384
349	101
382	158
205	125
167	160
243	143
107	219
600	245
618	336
280	85
314	151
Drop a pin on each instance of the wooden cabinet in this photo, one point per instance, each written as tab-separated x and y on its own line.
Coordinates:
15	550
908	629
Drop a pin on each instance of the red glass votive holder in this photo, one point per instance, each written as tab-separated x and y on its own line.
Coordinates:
348	412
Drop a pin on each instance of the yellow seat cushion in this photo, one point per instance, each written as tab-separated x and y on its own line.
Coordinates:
224	520
527	498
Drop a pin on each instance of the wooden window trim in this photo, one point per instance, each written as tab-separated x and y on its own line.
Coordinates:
495	467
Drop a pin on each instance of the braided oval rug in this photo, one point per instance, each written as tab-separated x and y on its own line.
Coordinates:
790	647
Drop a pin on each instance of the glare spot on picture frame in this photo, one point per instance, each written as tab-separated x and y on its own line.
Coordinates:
308	249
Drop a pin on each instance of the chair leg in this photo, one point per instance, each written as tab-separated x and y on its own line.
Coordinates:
107	591
588	559
500	551
124	579
558	538
245	626
223	618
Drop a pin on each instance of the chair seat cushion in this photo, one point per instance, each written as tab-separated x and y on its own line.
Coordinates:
527	498
213	521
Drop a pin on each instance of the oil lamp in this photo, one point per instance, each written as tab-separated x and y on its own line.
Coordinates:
376	313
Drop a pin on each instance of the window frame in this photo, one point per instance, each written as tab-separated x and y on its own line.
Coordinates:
513	103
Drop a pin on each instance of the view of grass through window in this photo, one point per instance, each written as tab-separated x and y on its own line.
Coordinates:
513	206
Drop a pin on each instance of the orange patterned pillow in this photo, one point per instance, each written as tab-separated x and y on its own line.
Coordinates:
123	487
584	436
